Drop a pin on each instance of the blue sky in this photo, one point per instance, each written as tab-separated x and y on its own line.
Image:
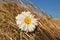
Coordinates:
51	7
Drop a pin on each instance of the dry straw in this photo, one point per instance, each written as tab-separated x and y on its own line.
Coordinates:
47	29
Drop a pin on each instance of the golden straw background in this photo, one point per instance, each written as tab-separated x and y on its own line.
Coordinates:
48	28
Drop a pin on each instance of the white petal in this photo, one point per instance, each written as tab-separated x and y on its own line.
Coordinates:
23	12
17	17
31	28
34	21
25	28
22	27
19	22
32	16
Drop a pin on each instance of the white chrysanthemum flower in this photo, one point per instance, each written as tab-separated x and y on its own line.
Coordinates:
26	21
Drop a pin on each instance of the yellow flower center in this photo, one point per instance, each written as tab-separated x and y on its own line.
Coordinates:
27	20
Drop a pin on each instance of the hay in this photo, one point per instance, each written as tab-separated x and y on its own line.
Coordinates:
47	29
